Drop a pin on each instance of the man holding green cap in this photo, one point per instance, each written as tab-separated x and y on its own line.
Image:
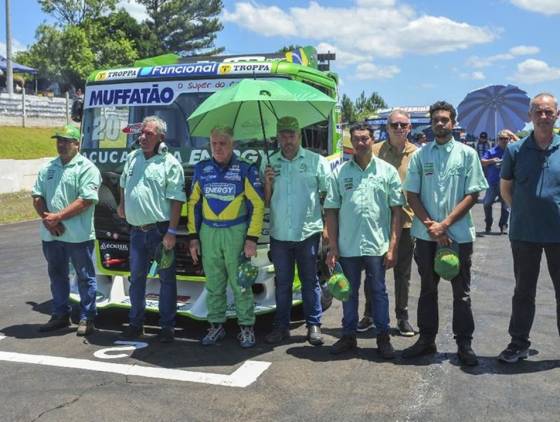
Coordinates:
295	182
443	182
64	196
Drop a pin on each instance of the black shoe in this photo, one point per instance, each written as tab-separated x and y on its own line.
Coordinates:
466	355
132	332
420	348
314	336
166	335
488	229
514	353
345	344
365	324
277	335
85	327
55	323
503	229
405	329
384	348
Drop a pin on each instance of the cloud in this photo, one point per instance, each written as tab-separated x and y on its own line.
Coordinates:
366	71
16	46
477	76
546	7
343	58
376	28
533	71
520	50
134	9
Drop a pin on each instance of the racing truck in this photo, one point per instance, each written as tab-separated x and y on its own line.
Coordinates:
172	87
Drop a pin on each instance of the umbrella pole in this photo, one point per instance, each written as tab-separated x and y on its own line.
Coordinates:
264	133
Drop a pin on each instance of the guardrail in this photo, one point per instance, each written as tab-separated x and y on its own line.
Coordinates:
31	110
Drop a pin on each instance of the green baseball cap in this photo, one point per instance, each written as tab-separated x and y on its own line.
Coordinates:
446	263
68	132
287	123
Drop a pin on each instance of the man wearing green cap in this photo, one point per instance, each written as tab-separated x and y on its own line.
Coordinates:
64	196
296	180
443	182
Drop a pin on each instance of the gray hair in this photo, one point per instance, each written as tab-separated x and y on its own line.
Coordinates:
504	133
222	130
398	111
540	95
160	124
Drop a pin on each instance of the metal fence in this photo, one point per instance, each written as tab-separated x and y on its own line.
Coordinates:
31	110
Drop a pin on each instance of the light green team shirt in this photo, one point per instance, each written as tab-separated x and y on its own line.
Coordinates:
149	186
295	205
364	199
60	185
443	175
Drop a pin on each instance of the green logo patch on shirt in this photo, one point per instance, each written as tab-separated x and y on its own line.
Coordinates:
428	169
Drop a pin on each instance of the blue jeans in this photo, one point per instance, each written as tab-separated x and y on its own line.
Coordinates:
284	256
58	255
143	245
492	193
375	282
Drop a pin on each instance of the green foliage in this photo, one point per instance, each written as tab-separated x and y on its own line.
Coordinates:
75	12
185	27
362	108
16	207
27	143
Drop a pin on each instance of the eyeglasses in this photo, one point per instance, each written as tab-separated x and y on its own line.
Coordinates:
397	125
503	138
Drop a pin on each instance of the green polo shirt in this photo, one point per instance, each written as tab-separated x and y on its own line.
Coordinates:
443	175
149	186
295	205
364	199
60	185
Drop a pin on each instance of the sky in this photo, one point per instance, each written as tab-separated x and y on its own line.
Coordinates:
411	52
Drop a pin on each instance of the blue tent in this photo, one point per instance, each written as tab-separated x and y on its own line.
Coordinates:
17	68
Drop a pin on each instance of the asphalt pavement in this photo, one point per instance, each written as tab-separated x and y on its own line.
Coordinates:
61	377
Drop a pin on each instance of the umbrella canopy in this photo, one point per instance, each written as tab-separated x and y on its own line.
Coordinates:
16	67
494	108
252	107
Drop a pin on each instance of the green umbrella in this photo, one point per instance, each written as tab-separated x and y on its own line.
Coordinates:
252	107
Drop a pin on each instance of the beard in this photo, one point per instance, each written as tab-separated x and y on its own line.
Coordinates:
442	132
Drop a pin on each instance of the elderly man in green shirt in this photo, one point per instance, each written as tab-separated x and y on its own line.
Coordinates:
64	196
363	213
152	193
443	183
295	181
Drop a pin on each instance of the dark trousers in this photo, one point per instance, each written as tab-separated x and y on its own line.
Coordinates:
401	274
493	193
428	317
526	266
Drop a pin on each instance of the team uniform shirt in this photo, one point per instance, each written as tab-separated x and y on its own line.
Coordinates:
493	170
60	185
226	196
399	160
535	208
149	186
443	175
364	199
299	184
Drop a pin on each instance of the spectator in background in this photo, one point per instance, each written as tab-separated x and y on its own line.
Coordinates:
492	161
482	145
420	139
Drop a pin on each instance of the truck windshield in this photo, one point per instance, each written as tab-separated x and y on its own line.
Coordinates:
103	126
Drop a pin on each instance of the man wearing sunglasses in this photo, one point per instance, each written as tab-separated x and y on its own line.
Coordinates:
492	161
397	151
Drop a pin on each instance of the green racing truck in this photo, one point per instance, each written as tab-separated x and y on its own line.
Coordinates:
171	87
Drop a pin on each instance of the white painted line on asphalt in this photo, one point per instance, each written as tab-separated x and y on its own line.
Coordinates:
244	376
127	346
2	337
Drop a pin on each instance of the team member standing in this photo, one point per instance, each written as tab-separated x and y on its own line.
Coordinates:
443	183
363	213
64	196
152	193
296	181
226	210
397	151
529	183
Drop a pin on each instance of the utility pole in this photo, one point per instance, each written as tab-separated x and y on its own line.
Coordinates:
9	69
